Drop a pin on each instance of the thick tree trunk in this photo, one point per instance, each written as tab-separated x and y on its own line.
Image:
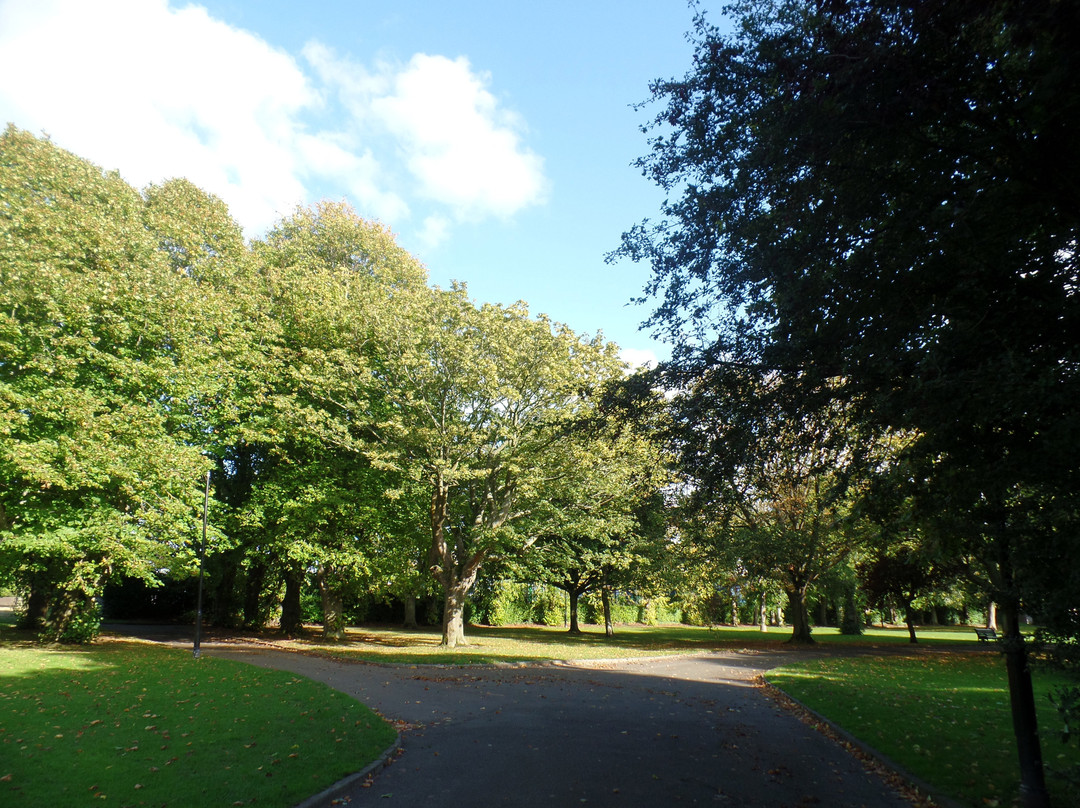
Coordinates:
410	612
292	622
991	616
35	611
1033	792
800	618
456	587
574	594
763	623
333	606
453	625
452	567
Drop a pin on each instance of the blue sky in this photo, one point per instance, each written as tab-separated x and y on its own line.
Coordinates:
494	138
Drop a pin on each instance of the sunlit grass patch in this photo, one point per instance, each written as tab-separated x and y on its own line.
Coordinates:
509	644
945	717
131	724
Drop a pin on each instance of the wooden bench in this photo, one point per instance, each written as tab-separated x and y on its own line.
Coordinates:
985	634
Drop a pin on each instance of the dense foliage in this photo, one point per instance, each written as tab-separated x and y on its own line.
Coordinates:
369	436
877	202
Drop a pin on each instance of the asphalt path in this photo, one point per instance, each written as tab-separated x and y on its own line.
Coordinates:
692	730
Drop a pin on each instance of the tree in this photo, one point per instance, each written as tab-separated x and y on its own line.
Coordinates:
479	397
323	503
903	573
601	523
204	245
101	346
770	490
879	200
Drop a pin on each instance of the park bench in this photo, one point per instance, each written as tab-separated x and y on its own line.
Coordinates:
985	634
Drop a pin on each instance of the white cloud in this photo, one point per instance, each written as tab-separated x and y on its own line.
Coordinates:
465	151
434	231
638	358
462	150
156	91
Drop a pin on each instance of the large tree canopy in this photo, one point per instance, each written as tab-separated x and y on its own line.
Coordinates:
102	344
879	200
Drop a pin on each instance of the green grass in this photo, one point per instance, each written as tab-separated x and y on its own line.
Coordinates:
130	724
942	716
488	645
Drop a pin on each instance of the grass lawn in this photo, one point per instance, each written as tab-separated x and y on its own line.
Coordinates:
487	644
131	724
943	716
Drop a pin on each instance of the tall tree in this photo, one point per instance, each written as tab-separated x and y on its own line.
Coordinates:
330	278
773	488
101	344
480	395
880	199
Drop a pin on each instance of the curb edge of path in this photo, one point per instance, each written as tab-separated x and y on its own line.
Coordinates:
345	784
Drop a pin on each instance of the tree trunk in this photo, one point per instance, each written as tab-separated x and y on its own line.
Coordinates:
453	625
991	616
800	618
1033	792
455	581
457	586
909	620
292	622
763	622
574	594
605	600
35	611
332	605
410	612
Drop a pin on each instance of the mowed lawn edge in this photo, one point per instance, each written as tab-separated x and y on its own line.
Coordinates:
133	724
944	717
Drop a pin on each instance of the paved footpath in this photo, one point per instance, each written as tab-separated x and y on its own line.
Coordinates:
636	734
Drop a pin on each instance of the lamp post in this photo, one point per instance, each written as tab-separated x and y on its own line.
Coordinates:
202	558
